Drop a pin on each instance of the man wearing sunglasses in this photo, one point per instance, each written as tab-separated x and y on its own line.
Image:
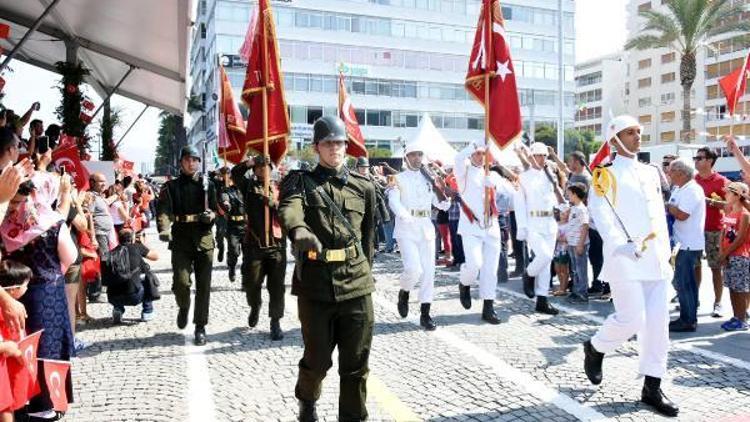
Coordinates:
713	188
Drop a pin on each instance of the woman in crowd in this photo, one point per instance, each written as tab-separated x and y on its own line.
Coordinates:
735	255
36	236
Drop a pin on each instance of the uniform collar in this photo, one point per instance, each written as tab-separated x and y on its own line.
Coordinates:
324	173
627	161
195	177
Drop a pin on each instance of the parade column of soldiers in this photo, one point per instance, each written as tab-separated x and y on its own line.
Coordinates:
233	208
188	204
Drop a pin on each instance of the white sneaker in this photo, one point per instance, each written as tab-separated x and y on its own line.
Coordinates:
718	311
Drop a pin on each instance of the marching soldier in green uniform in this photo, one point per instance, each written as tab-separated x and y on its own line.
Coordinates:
329	214
262	257
220	181
188	203
233	207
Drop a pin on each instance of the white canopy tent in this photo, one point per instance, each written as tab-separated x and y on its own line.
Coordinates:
434	146
136	48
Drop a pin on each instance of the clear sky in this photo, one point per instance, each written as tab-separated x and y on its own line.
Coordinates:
600	30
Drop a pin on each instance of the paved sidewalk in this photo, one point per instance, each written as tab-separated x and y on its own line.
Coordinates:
528	368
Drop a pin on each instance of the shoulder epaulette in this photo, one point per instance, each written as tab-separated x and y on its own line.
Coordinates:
292	183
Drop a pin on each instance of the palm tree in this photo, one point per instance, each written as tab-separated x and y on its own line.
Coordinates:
685	27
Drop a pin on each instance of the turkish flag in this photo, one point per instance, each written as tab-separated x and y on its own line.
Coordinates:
85	118
55	378
2	83
67	156
4	31
66	140
231	122
735	84
23	372
88	105
356	145
603	156
263	74
490	58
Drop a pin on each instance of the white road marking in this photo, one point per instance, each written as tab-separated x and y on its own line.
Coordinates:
200	395
507	372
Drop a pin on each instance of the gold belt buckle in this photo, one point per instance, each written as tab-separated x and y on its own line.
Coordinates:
419	213
336	255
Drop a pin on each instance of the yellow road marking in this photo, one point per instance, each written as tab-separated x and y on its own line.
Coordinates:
389	401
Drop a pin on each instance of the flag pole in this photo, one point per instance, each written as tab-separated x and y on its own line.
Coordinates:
264	96
487	139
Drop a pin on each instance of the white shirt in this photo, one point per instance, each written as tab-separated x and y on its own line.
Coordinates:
536	194
471	182
689	199
413	192
637	199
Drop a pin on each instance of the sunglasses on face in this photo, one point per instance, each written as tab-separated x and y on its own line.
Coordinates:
699	158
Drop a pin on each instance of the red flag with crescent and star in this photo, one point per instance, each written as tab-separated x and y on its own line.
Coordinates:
55	378
603	156
734	84
356	145
67	156
22	372
231	122
490	55
263	72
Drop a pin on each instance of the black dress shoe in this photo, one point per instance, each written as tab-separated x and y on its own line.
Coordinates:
425	320
679	326
653	396
231	274
465	295
543	306
200	335
488	312
528	285
403	303
182	317
276	332
252	319
221	254
307	411
592	363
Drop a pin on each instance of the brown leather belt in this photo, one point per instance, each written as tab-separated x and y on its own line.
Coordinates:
189	218
333	255
237	217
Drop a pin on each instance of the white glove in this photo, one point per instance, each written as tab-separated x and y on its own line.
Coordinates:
628	250
521	233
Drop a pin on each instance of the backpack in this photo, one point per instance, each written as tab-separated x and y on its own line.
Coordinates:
117	270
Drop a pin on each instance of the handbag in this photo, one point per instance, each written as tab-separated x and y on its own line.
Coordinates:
150	285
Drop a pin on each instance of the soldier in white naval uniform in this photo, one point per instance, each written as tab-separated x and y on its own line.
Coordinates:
412	199
636	262
534	204
481	241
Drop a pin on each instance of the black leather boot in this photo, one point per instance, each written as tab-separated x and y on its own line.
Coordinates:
200	335
252	319
425	320
276	333
488	312
465	295
653	396
307	411
221	252
592	362
543	306
528	285
182	317
403	303
231	274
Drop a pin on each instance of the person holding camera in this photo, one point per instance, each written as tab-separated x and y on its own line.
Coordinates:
188	204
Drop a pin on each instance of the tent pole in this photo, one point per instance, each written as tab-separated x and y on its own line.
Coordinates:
112	91
28	34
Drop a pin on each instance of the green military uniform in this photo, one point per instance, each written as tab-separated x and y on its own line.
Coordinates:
182	204
262	259
221	220
234	214
334	286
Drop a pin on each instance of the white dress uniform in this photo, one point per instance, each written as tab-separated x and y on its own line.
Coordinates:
534	204
411	200
639	285
481	243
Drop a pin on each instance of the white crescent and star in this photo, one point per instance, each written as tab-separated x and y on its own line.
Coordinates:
347	111
55	376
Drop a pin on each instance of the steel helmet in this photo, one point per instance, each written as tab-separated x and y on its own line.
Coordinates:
189	151
329	128
362	162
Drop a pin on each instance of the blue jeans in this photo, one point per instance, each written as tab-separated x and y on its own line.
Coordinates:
120	302
687	288
458	246
579	265
390	242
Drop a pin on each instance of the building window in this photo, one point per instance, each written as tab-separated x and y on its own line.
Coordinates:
644	83
667	136
644	119
668	116
644	102
668	77
313	114
645	138
589	79
668	58
644	6
667	98
645	63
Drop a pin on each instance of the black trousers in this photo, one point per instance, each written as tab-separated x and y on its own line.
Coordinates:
270	265
596	257
518	245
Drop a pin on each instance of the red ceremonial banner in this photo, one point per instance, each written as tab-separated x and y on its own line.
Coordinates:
735	84
231	122
356	145
4	31
55	376
490	59
66	155
263	74
2	83
85	118
88	105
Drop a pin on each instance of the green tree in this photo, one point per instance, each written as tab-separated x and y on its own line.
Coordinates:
107	125
166	147
379	152
684	27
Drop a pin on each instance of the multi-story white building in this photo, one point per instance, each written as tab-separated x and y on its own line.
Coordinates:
600	91
401	58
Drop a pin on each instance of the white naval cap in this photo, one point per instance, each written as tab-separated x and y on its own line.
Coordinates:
538	148
620	123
